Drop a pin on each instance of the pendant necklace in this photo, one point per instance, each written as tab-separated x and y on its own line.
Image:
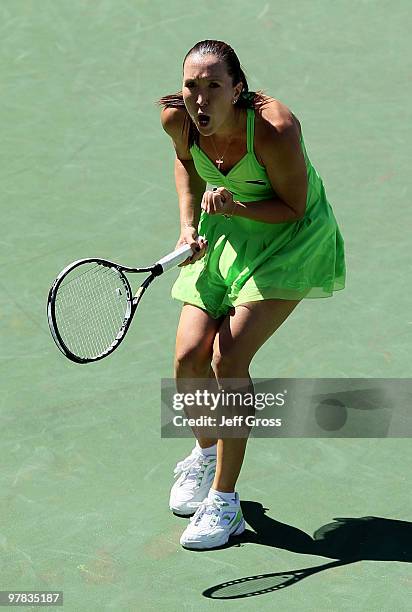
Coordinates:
219	160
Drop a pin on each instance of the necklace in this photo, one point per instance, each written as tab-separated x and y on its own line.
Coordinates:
219	160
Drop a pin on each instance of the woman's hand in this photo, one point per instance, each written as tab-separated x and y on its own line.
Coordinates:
218	202
190	236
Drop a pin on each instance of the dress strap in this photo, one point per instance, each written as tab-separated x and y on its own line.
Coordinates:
250	129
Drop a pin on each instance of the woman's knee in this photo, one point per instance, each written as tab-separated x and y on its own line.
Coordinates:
192	362
228	363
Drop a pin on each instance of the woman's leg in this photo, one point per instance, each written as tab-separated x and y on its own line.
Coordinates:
194	350
237	340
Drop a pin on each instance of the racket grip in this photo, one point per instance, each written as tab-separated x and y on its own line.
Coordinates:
175	257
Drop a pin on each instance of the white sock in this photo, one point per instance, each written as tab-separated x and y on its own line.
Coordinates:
211	450
227	497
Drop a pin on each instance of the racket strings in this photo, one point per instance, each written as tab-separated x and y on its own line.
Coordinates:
92	312
90	307
255	585
92	318
91	334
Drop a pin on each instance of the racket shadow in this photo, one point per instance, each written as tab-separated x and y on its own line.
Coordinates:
347	540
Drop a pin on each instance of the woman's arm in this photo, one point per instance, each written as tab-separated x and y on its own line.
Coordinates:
277	143
220	202
189	185
268	211
190	188
279	148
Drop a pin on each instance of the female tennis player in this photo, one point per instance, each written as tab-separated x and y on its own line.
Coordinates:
270	240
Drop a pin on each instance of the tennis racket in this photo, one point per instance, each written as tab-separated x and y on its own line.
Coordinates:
266	583
90	305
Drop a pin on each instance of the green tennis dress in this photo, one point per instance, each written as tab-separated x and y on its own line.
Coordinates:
249	260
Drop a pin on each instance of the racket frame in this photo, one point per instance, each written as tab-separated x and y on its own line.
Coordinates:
167	262
132	303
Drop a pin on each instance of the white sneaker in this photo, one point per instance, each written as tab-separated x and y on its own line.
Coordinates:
195	475
213	523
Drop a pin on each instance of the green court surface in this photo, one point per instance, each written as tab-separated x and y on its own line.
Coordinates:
86	169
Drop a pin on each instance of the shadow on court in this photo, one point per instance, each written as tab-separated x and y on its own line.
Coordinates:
348	540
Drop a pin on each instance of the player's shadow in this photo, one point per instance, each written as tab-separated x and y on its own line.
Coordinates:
347	540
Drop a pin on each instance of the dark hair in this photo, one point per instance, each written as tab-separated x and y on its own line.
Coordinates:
225	53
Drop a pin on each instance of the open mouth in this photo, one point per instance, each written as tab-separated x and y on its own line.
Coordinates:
203	119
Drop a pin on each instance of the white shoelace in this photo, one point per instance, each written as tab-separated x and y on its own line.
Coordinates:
190	462
207	506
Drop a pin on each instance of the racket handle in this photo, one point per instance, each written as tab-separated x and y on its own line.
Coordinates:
175	257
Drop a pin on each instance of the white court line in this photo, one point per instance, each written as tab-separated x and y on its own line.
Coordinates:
264	12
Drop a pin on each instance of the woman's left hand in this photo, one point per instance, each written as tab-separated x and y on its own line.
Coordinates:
218	202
